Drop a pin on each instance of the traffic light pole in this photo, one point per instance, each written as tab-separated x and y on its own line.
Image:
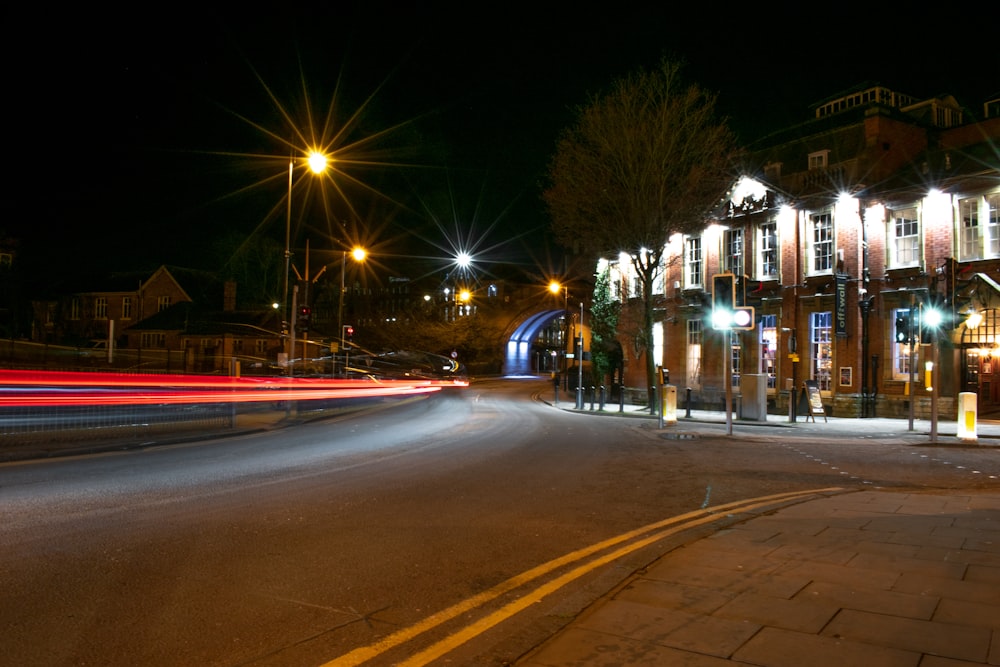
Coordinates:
729	380
291	330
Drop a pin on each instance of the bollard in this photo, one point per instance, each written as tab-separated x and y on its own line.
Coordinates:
621	399
579	397
593	396
652	401
687	403
601	404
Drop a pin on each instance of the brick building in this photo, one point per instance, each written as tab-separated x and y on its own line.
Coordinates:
844	234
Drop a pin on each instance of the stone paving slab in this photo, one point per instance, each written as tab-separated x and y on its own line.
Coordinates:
847	579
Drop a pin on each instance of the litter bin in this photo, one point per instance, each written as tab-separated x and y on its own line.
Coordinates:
669	407
753	389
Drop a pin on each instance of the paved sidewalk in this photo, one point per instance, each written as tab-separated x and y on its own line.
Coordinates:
987	429
873	578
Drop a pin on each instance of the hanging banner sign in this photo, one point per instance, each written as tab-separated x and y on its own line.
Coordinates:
840	307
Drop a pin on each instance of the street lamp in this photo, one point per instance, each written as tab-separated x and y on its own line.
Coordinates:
555	287
358	254
317	162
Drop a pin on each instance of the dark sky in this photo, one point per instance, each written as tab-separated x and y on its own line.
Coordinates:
145	131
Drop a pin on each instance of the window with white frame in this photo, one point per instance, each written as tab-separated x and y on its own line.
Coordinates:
732	251
905	238
74	308
993	224
769	349
694	338
101	308
260	346
162	303
821	348
969	233
768	250
818	160
693	262
126	307
820	243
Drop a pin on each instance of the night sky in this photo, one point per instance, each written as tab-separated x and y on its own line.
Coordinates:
150	135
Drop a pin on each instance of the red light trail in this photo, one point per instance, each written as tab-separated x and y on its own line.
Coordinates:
44	389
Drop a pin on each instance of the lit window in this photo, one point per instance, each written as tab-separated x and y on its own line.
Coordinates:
736	350
970	237
126	307
902	348
905	237
993	216
821	243
769	348
732	246
692	263
821	348
767	242
694	336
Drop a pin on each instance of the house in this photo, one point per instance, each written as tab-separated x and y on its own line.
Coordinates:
842	236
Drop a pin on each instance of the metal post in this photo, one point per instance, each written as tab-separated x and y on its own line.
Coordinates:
289	342
935	374
579	362
291	331
601	404
913	363
727	378
687	402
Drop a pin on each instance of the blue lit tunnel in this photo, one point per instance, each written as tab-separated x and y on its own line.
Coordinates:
518	355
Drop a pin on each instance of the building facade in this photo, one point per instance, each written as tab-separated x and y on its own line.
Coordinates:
848	236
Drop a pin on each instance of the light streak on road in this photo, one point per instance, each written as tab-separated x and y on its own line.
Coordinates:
48	389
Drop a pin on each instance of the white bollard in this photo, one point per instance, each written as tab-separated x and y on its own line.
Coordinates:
967	416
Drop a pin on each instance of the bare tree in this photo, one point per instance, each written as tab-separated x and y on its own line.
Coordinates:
642	162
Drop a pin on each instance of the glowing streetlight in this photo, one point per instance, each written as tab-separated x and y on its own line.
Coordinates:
317	164
358	254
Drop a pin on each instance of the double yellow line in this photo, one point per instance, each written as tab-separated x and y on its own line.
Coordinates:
642	537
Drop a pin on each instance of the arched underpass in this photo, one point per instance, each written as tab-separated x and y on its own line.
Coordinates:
518	353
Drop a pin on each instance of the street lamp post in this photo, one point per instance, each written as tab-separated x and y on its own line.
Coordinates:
317	164
555	287
359	255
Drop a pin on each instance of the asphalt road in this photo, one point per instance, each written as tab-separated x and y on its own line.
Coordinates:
374	536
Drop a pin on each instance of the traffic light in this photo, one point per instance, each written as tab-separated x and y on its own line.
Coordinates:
902	327
723	291
931	322
723	300
743	318
305	317
348	332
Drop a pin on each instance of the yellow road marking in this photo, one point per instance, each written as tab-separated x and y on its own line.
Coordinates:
687	520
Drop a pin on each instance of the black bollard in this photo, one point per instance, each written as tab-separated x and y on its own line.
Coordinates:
601	404
593	396
621	399
652	400
687	403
